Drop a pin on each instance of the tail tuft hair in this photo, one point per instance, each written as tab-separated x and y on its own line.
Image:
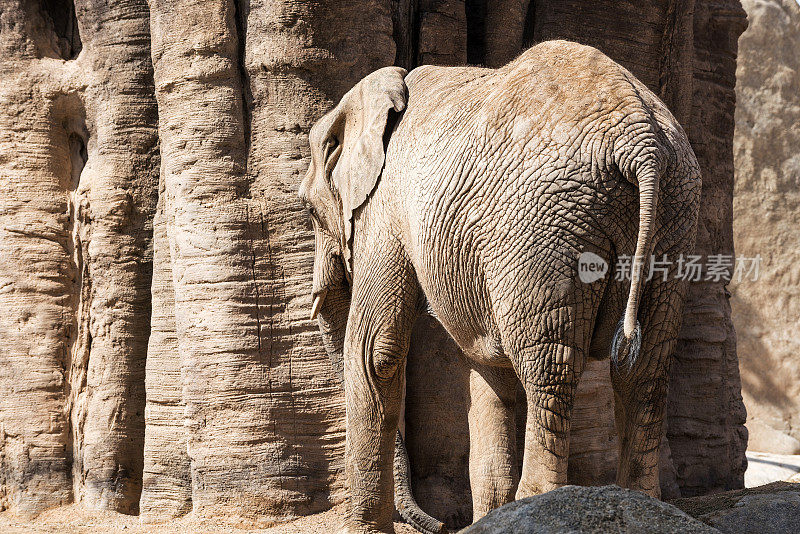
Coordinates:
624	351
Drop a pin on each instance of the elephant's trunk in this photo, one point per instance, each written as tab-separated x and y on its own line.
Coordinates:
333	324
404	500
332	320
628	337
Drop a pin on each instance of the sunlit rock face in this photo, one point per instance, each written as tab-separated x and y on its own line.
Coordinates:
766	312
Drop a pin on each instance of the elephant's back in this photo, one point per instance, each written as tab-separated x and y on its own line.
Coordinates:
557	106
484	148
554	83
559	112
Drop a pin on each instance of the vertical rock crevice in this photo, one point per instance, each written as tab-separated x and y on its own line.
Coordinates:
476	31
166	479
529	29
405	25
80	337
65	24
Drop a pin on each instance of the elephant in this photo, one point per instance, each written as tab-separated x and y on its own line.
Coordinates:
475	195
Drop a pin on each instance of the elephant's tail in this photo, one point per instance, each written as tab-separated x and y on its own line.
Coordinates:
404	500
627	340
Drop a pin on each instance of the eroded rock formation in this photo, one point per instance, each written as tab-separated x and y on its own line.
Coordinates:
243	415
79	174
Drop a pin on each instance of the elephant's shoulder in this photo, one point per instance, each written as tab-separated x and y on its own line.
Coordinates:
433	78
435	91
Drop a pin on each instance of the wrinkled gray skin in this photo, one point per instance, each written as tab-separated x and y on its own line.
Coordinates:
494	183
333	323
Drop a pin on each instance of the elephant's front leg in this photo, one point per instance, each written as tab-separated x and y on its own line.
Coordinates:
492	448
372	416
378	334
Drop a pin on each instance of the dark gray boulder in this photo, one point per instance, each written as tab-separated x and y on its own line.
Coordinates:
769	509
584	510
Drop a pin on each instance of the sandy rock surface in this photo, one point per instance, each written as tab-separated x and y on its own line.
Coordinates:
73	519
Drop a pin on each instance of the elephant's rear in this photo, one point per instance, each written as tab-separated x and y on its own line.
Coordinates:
628	131
501	153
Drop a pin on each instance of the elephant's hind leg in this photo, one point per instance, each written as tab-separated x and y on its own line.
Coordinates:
546	335
492	450
549	372
640	390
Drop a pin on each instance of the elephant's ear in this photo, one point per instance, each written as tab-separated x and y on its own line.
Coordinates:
361	119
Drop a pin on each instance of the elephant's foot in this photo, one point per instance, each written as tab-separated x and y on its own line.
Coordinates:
647	483
536	488
363	526
492	447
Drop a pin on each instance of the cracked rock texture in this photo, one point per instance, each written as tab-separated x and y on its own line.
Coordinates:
589	511
768	509
766	220
155	351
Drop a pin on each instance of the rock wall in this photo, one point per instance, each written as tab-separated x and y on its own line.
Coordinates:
705	412
79	173
192	289
766	220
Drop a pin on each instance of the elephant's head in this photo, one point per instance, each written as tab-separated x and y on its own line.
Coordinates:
347	157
